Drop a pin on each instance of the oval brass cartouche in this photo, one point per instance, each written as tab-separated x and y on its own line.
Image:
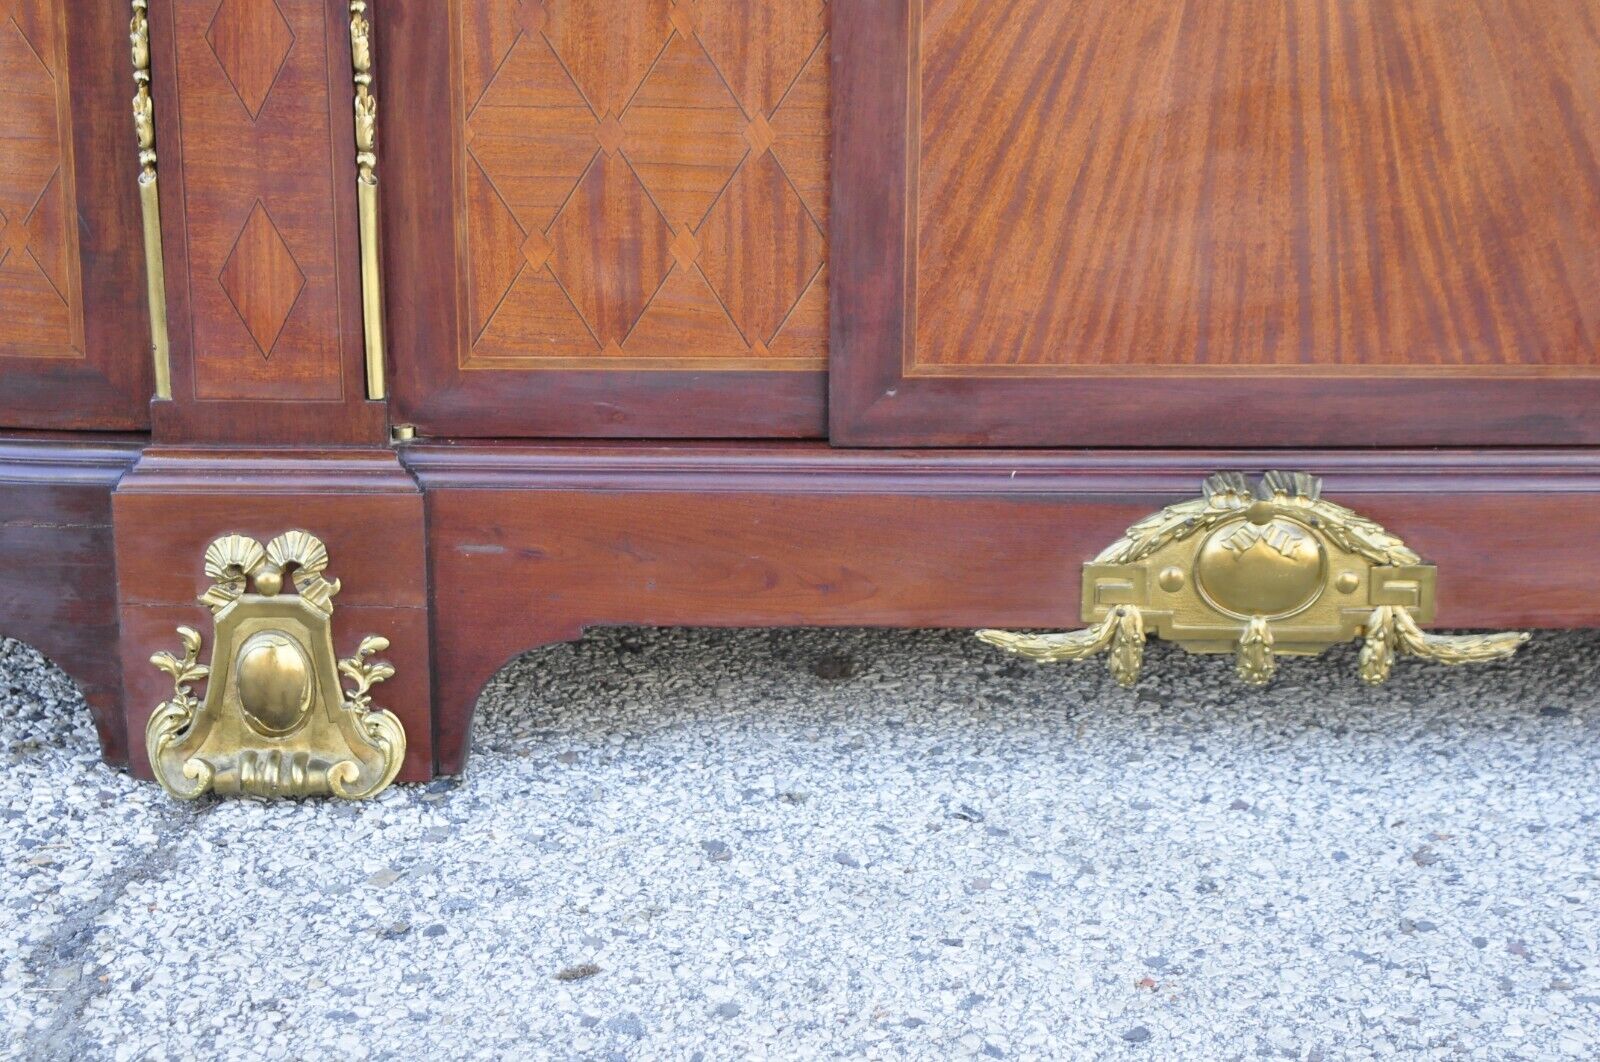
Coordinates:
274	679
1271	569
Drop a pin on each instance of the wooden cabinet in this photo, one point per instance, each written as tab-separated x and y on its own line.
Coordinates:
761	312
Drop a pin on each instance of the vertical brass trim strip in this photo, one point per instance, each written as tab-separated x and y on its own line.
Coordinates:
144	127
366	115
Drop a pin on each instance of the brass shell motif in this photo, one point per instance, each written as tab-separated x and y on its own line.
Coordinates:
1261	571
275	720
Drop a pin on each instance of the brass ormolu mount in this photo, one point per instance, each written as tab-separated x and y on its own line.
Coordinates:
275	720
1260	572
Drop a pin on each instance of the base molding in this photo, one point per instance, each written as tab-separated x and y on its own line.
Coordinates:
58	581
361	504
532	544
464	555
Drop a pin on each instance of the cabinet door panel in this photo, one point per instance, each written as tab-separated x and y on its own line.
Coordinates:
607	217
74	325
1213	223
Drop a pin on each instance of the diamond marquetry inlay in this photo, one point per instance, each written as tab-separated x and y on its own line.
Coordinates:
38	251
14	238
262	279
536	250
610	134
759	45
608	46
683	133
250	39
532	133
610	249
757	286
758	134
531	15
644	179
685	249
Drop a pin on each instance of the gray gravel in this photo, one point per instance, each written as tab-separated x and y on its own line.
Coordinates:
792	844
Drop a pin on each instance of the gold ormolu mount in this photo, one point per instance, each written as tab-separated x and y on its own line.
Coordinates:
275	720
1260	573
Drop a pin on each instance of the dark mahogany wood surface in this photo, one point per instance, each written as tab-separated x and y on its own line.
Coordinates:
530	545
526	545
1191	224
253	118
58	580
366	509
606	219
74	328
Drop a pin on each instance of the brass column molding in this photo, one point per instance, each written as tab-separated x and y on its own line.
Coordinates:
144	126
275	720
366	115
1260	571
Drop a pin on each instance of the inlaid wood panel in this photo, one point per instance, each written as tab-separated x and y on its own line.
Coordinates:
40	284
257	170
258	204
74	328
1304	185
642	184
607	218
1315	219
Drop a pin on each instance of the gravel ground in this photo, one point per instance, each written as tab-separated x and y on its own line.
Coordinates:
697	844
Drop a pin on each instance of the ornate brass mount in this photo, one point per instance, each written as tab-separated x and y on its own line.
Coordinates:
144	128
275	721
1260	573
366	119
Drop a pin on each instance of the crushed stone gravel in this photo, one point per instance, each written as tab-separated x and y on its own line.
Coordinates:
694	844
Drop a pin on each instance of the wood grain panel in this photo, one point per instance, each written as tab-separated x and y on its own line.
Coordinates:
1300	185
258	174
74	329
530	545
1210	223
625	198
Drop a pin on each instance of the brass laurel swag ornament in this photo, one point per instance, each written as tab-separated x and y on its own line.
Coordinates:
275	720
1260	571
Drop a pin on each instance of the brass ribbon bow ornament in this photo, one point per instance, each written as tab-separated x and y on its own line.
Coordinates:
1259	572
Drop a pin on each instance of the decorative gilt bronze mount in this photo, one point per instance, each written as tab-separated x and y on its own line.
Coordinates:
275	720
144	128
366	119
1263	572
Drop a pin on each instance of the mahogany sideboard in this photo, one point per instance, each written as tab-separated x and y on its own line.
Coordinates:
1253	326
